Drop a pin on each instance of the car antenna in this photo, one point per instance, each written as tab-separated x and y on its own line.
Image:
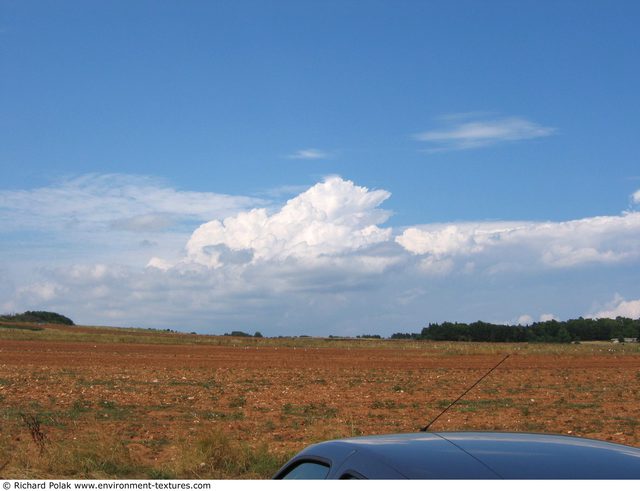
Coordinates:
426	428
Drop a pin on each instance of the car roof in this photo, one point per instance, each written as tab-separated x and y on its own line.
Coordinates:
531	456
476	455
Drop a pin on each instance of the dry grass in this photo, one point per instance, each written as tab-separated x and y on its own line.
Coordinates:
93	456
99	455
217	456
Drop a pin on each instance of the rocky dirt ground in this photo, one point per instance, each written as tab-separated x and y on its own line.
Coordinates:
152	401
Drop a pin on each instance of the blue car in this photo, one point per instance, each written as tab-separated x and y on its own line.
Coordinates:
464	455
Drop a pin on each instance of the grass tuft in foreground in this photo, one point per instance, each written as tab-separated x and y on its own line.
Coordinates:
216	456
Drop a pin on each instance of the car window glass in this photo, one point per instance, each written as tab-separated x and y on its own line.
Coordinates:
308	470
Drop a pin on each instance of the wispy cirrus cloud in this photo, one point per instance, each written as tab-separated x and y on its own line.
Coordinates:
468	131
103	216
309	154
114	202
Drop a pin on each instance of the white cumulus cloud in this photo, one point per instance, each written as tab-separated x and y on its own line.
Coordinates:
41	291
332	218
605	239
524	320
323	262
619	307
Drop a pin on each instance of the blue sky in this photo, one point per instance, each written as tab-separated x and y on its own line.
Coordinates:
446	161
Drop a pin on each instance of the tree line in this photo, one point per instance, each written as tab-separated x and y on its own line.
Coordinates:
551	331
37	317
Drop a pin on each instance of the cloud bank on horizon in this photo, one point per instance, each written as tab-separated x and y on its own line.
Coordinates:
323	258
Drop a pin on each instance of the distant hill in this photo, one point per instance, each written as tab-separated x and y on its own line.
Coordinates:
38	316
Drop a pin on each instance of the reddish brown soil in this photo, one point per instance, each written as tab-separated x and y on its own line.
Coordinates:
152	396
82	354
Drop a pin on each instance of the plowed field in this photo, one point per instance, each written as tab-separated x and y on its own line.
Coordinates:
142	409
